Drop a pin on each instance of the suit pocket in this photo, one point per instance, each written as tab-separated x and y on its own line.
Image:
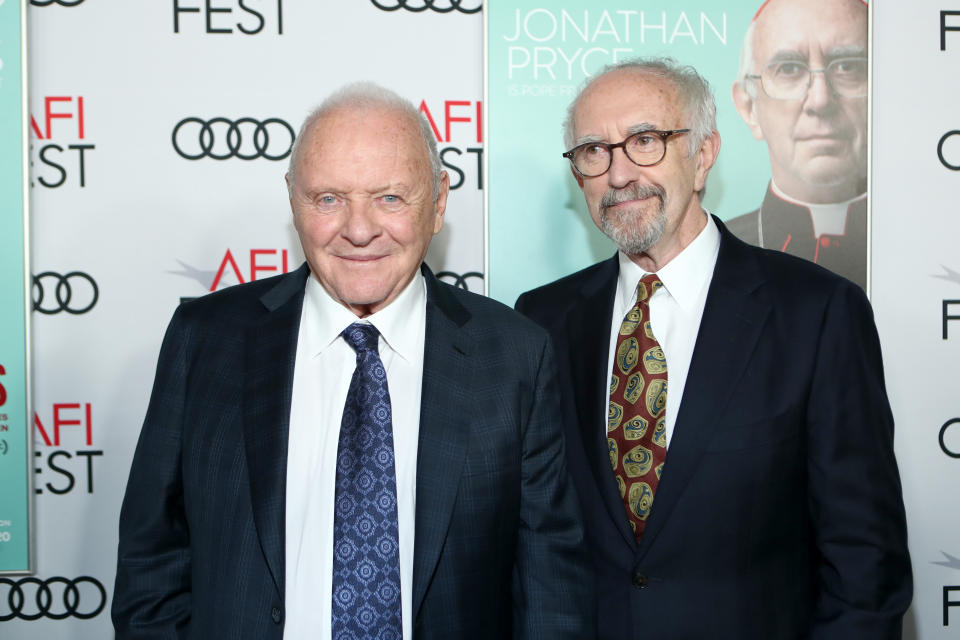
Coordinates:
769	432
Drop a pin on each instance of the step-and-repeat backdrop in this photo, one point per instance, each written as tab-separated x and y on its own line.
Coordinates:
159	136
158	139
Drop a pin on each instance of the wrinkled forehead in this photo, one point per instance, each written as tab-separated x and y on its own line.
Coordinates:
810	28
376	130
626	98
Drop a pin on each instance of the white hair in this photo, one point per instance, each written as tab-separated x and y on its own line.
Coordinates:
368	95
692	89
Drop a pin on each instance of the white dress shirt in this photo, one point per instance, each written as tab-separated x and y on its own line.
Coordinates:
324	366
675	310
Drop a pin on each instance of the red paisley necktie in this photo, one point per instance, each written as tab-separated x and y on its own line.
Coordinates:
636	429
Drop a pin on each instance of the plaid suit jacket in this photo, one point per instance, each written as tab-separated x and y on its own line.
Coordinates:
497	532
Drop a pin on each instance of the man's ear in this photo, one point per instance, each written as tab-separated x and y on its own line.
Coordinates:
746	106
706	157
286	178
440	204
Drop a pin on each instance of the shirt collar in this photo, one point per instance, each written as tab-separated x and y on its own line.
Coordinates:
326	318
683	278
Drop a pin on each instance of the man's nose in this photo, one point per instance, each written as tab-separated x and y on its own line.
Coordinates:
622	170
819	94
360	225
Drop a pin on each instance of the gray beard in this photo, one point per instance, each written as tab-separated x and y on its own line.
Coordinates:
631	233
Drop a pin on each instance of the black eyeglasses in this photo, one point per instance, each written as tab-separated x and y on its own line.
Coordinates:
646	148
790	80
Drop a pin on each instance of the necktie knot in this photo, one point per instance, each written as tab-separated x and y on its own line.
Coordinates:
647	286
362	337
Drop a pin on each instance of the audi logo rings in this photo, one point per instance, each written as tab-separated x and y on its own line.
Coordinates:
62	3
66	295
55	598
416	6
458	280
222	138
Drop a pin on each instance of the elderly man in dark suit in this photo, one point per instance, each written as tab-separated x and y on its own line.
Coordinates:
727	425
354	450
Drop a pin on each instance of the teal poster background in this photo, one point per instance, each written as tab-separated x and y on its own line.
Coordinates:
537	55
14	421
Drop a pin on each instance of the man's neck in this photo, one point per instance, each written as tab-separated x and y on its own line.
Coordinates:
673	241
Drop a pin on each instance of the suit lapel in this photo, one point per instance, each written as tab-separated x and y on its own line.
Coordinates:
444	435
588	328
270	354
732	320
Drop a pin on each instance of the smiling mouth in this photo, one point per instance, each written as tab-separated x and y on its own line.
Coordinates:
361	258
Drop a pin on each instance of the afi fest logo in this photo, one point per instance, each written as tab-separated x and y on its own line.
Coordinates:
55	598
59	155
463	155
227	18
237	267
75	292
439	6
222	138
63	441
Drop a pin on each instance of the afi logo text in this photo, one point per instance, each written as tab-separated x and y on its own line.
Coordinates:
268	262
58	468
54	162
465	119
248	17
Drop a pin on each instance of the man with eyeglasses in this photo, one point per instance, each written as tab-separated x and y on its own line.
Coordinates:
802	88
727	427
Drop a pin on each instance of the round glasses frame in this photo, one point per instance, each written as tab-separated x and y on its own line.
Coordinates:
798	88
661	137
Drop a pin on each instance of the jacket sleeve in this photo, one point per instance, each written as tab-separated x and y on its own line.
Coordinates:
553	584
152	594
855	501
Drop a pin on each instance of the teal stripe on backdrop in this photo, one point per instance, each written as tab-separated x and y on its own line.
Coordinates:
538	54
14	423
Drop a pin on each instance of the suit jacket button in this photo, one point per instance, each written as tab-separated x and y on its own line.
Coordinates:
640	580
275	615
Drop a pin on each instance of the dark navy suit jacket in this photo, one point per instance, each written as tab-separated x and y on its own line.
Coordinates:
498	535
779	513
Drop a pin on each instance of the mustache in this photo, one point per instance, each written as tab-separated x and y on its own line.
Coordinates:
632	192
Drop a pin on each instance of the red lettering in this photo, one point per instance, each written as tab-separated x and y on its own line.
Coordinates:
426	111
254	267
80	116
479	122
36	129
59	421
3	392
43	432
227	259
450	118
50	114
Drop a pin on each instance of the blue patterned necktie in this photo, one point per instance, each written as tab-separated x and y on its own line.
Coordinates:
366	558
